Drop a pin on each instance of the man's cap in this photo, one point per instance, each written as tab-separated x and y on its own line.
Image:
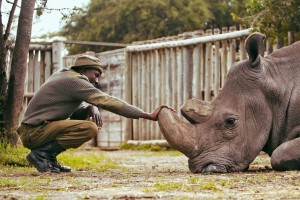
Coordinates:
88	62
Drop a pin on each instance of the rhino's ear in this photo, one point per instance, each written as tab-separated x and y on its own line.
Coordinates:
255	47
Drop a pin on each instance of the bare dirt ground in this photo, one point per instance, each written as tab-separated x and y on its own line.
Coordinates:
148	175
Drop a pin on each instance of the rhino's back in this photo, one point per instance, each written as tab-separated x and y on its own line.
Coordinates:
287	59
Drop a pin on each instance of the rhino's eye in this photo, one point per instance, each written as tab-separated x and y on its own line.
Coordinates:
230	121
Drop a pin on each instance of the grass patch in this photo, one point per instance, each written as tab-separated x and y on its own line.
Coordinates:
84	160
24	181
163	153
144	147
193	184
13	156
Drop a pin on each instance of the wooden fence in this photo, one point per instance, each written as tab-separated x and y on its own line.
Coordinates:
171	72
43	59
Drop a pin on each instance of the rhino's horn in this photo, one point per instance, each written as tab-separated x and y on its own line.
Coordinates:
196	111
179	134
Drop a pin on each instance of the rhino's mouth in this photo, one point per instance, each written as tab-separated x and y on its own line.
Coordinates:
213	168
204	166
208	168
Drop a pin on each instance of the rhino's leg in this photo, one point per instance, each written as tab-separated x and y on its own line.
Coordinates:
287	156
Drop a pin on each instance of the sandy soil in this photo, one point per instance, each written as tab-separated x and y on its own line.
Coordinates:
146	175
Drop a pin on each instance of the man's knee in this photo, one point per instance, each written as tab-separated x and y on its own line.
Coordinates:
92	129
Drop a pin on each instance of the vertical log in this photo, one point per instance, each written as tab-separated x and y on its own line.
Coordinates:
158	93
42	67
179	77
217	66
196	69
187	73
174	78
152	93
291	38
128	94
232	47
224	61
166	76
269	47
57	54
108	80
144	94
47	65
208	69
135	85
30	86
37	71
147	93
242	49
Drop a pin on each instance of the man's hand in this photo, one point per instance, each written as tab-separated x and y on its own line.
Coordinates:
154	115
94	113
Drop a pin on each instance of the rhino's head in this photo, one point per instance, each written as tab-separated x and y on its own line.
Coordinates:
225	135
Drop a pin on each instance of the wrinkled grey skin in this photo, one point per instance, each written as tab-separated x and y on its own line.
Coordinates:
257	110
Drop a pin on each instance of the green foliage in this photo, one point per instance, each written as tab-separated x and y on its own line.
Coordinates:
80	160
193	184
143	147
222	12
272	17
87	160
13	156
131	20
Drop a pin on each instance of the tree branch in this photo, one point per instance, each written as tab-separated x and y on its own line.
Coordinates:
259	15
9	22
12	3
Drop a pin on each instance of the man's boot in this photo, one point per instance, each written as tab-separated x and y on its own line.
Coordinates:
57	149
38	157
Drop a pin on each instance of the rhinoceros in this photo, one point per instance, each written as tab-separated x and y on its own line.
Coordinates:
258	109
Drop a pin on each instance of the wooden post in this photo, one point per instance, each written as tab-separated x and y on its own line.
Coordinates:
37	71
242	49
157	86
30	76
290	38
47	65
135	91
269	47
208	69
179	87
197	67
224	58
152	93
147	93
232	47
128	94
173	77
217	66
57	55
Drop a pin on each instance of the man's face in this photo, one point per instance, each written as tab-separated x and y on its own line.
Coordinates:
93	76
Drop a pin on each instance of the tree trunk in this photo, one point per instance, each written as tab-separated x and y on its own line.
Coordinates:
14	100
3	75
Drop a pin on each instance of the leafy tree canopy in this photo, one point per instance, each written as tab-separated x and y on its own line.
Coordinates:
272	17
222	12
125	21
